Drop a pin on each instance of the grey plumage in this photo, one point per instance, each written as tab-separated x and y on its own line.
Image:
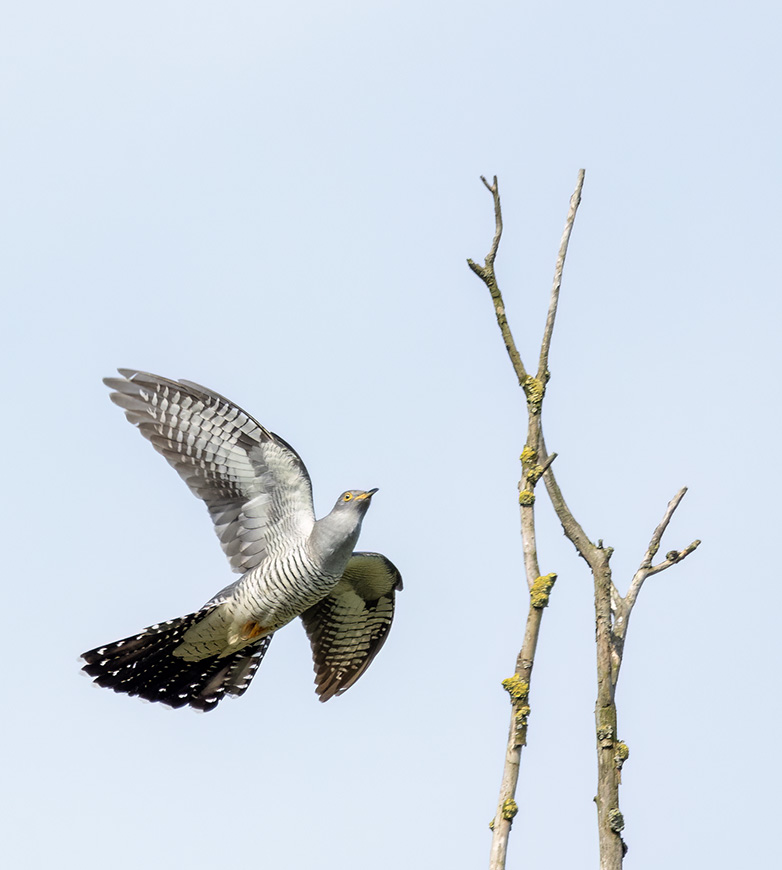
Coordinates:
259	495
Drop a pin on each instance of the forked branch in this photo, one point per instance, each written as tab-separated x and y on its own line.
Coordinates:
487	275
534	464
612	612
612	615
646	568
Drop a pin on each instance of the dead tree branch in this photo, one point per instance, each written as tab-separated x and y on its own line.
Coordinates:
612	615
545	345
487	275
612	611
533	466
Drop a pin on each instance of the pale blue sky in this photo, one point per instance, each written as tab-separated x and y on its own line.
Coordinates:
277	200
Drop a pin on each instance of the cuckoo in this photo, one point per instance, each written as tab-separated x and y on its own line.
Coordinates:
259	496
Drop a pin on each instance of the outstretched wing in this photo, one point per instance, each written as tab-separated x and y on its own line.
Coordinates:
255	485
347	628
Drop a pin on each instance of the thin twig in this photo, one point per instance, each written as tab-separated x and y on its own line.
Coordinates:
495	244
487	275
673	558
654	543
575	200
623	607
651	551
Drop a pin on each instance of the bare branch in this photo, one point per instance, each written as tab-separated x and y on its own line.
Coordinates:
572	528
654	544
518	687
645	569
575	200
494	190
487	275
624	607
673	558
612	612
533	467
488	268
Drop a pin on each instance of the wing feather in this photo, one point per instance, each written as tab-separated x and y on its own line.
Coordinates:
254	484
347	628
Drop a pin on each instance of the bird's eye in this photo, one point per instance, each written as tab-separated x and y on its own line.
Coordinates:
347	497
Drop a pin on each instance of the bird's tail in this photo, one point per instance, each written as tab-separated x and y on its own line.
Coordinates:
145	665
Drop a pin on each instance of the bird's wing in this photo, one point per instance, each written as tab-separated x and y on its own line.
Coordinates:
348	627
255	485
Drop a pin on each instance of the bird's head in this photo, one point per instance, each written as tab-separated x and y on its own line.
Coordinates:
334	536
355	501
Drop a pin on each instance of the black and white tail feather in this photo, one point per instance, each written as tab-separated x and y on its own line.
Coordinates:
145	665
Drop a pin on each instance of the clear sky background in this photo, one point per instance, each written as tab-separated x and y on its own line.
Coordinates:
277	200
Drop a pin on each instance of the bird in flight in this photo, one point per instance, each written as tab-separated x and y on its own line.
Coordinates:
259	495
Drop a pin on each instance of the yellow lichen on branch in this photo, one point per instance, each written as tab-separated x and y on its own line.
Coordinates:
528	455
541	590
534	389
509	809
516	687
